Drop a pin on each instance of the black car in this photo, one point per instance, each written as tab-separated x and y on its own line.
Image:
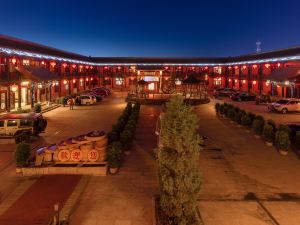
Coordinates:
243	97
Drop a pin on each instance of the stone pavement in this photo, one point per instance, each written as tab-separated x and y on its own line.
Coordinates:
234	164
125	198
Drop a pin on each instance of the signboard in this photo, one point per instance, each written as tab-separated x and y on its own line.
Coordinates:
93	155
76	155
151	78
64	155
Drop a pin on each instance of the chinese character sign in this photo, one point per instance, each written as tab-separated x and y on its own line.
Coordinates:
64	155
76	155
93	155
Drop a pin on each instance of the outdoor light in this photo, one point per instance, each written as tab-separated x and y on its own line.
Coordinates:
74	81
166	67
86	67
179	67
91	67
278	65
254	66
267	83
40	85
53	64
65	81
56	83
244	81
244	67
229	80
105	67
92	78
87	79
229	67
206	67
254	82
73	66
119	67
43	63
13	60
81	79
160	72
138	72
64	65
267	65
287	82
14	88
81	66
235	80
25	83
236	67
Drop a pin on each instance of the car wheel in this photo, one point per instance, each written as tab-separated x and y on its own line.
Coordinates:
284	111
87	103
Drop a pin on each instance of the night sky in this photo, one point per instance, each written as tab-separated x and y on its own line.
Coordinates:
154	28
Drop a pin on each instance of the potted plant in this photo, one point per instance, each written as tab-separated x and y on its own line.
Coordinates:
297	140
217	108
283	142
114	157
246	121
257	126
126	140
231	113
268	134
222	109
38	108
22	155
273	124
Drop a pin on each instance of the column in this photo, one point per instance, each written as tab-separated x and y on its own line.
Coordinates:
260	75
249	78
7	70
19	95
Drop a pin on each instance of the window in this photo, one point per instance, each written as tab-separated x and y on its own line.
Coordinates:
151	86
12	123
1	123
119	80
217	81
25	123
25	62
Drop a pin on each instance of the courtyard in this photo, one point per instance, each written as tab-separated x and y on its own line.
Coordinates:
243	180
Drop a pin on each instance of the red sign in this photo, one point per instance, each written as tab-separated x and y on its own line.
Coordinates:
93	155
64	155
76	155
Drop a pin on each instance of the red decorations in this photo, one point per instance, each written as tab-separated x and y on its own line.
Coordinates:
13	60
244	81
53	64
87	79
206	67
254	82
229	80
64	65
74	81
229	67
73	66
65	81
254	66
92	78
244	67
76	155
166	67
236	67
86	67
93	155
91	67
267	65
64	155
43	62
278	65
105	67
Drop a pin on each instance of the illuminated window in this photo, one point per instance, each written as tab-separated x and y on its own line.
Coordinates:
177	81
119	80
151	86
217	81
25	62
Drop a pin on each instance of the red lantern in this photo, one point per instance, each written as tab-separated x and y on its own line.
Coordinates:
64	65
91	67
278	65
73	66
74	81
244	67
43	63
236	67
53	64
13	60
254	66
166	67
254	82
86	67
267	65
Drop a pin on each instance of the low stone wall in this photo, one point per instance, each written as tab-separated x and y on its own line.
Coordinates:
35	171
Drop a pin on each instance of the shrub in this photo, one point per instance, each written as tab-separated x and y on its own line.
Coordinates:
258	126
112	136
22	154
114	154
231	113
259	117
238	117
246	121
273	124
282	140
217	107
126	139
178	163
222	109
38	108
251	116
284	128
297	139
268	132
226	108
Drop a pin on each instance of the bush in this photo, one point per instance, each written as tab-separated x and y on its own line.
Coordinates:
38	108
297	139
268	132
282	140
273	124
258	126
246	121
284	128
112	136
251	116
114	154
222	109
22	154
126	139
238	117
217	107
178	164
231	113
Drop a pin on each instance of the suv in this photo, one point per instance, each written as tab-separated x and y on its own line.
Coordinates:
285	105
22	126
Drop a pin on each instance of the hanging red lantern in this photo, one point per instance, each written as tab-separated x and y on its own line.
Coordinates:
53	64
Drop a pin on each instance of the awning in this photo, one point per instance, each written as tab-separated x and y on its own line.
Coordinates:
37	74
287	73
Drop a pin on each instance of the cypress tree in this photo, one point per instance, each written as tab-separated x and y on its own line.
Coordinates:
178	168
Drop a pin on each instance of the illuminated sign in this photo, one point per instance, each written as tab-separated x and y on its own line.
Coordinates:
150	78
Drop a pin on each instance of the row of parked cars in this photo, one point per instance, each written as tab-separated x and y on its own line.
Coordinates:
284	105
92	96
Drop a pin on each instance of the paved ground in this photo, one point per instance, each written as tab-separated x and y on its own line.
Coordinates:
62	123
126	198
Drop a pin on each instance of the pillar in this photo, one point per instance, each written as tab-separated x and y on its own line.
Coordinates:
19	95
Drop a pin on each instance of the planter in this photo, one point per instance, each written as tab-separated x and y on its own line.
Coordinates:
247	130
270	144
127	152
239	125
256	136
113	170
18	170
231	121
283	152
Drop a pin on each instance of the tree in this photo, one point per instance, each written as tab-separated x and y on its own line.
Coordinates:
179	178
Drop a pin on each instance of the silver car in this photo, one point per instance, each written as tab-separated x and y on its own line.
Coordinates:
285	105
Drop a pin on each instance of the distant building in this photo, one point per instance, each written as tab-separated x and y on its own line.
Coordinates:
31	72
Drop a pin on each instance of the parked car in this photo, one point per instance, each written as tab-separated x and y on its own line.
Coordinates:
264	98
102	91
225	92
22	126
85	100
285	105
243	96
98	97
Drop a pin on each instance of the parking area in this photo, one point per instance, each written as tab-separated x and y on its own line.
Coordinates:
262	110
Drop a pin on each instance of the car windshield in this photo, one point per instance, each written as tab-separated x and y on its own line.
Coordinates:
282	102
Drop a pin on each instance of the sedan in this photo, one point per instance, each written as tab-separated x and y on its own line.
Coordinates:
243	97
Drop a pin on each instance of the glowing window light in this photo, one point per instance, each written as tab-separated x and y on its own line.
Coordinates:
87	79
244	81
229	80
65	81
14	88
254	82
74	81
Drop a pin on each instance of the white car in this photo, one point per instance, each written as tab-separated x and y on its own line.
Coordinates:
87	100
285	105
